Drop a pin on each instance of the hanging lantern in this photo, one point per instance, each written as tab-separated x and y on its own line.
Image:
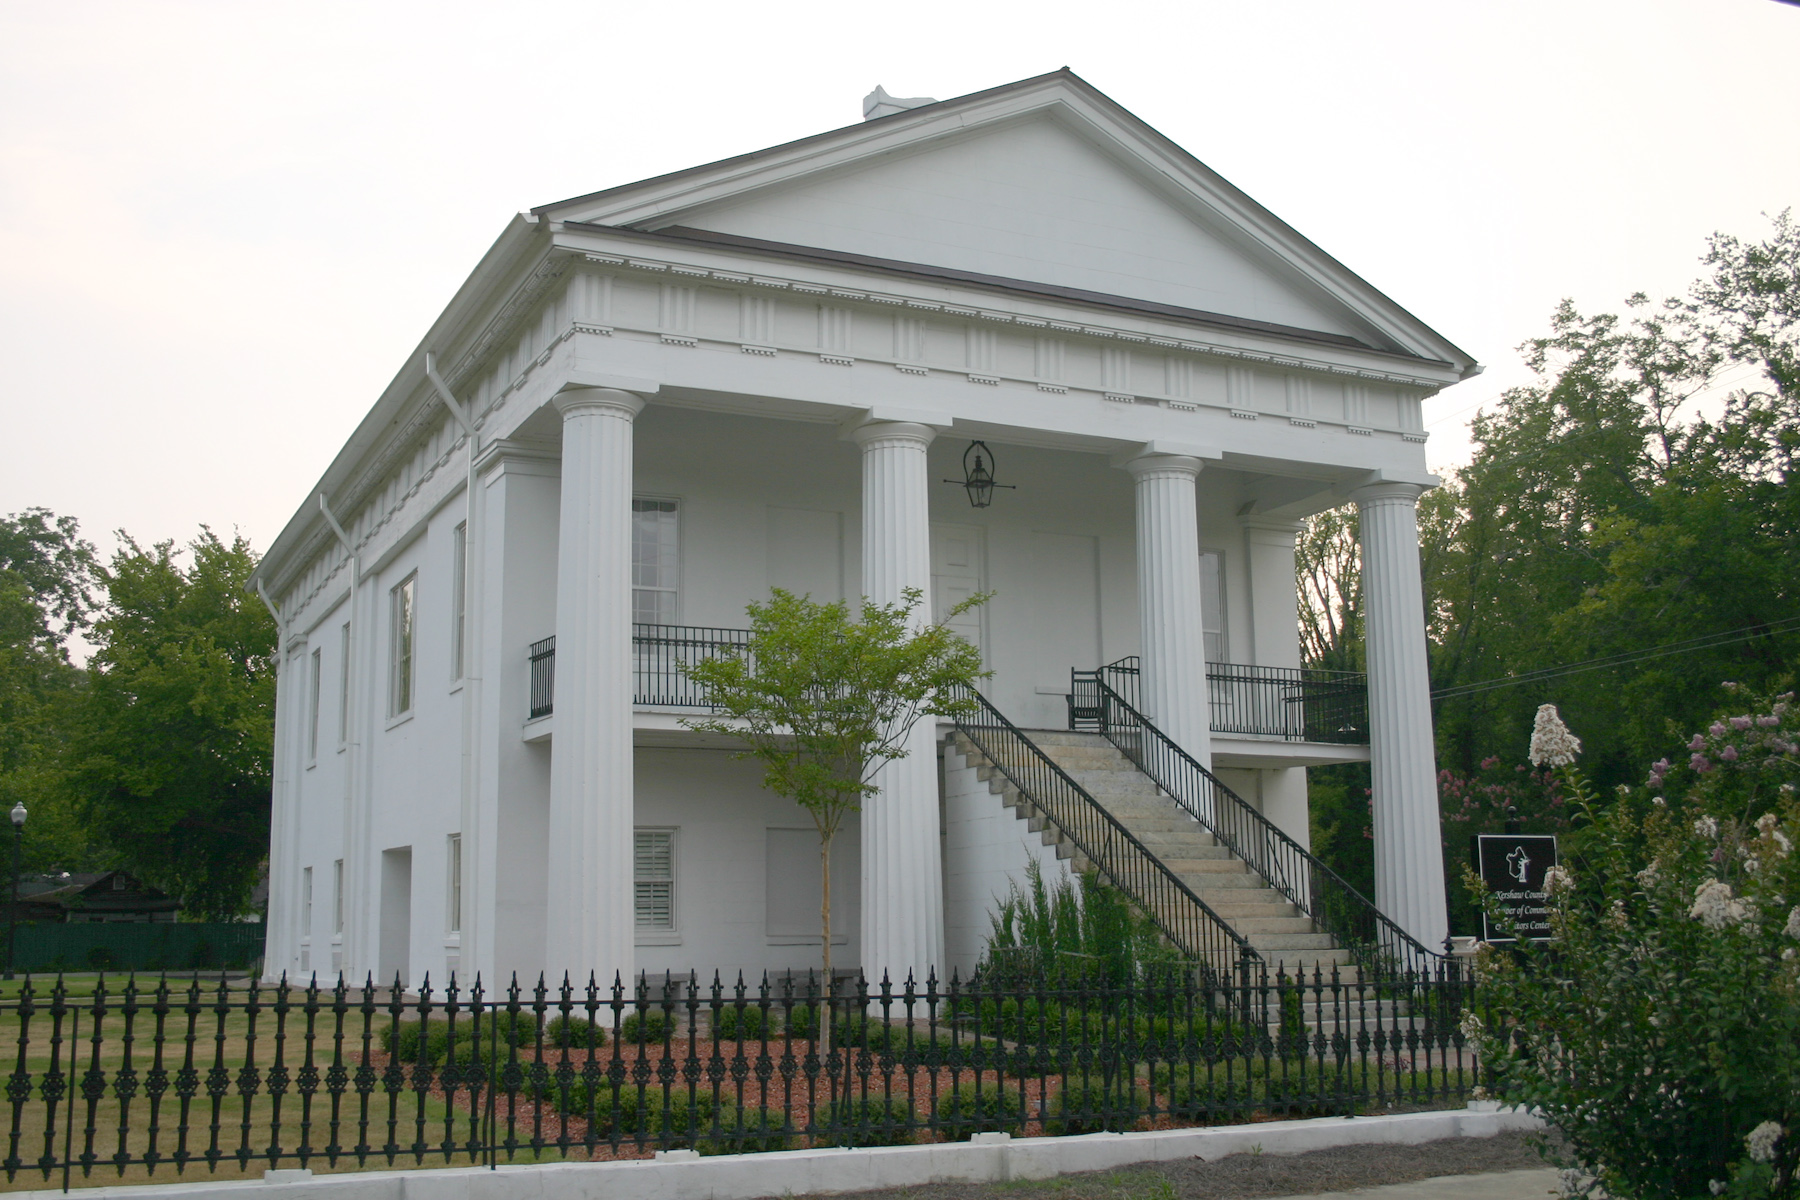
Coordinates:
978	475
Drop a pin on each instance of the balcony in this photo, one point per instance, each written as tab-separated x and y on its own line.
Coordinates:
1286	703
659	652
1294	704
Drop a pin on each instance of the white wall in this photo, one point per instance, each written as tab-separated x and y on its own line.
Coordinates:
987	849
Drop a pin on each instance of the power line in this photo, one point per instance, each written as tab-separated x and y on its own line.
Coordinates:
1706	642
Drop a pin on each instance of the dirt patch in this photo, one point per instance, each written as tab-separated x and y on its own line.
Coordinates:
1246	1176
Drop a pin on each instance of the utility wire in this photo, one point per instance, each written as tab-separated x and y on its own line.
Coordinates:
1730	637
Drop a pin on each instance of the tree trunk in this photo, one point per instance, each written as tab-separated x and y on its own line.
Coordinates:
824	1010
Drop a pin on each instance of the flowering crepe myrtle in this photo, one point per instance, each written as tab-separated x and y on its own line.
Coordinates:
1551	742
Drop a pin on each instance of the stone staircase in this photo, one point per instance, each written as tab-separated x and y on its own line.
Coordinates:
1267	920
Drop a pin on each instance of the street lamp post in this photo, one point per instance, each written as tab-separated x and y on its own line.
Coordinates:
12	910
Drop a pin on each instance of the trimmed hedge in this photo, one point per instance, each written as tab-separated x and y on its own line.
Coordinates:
972	1108
1095	1104
649	1027
747	1131
748	1023
873	1121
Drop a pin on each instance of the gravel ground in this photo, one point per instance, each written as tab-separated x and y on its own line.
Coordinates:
1245	1176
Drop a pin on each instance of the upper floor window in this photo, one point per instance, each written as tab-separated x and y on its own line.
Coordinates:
459	599
455	873
1212	603
312	706
654	561
402	603
344	686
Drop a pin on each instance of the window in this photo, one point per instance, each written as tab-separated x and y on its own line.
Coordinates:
655	876
1212	604
400	645
312	709
337	896
306	902
344	688
459	600
653	561
455	875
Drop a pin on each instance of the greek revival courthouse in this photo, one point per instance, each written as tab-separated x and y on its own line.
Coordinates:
1016	342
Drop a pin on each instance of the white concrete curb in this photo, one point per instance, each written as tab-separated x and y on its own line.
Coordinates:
989	1158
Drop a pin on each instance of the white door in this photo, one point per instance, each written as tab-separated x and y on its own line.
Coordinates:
956	574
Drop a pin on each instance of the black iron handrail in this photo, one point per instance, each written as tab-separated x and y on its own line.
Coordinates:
1121	859
1337	908
1297	704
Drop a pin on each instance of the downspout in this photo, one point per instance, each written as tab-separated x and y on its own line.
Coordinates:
469	931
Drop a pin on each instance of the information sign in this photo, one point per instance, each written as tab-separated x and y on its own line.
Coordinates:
1513	866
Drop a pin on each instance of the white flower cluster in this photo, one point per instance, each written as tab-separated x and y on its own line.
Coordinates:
1793	922
1766	824
1551	742
1557	879
1716	907
1471	1025
1707	827
1761	1142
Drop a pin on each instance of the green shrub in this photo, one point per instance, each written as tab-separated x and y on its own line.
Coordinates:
972	1108
748	1023
573	1033
1231	1089
101	959
403	1040
1095	1104
746	1131
673	1126
803	1021
650	1026
870	1121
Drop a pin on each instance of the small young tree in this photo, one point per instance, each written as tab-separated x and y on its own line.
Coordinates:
822	700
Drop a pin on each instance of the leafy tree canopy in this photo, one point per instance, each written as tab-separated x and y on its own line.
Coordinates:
171	752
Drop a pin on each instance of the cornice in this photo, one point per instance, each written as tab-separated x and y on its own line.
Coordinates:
651	264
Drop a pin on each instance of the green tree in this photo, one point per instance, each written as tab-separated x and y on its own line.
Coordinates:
47	576
823	700
171	752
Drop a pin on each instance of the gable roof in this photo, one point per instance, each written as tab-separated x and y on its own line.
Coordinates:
1049	159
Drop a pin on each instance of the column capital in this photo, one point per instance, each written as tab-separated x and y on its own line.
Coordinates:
601	401
1164	466
871	434
1277	526
1374	493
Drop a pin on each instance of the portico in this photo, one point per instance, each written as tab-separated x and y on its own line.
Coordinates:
679	404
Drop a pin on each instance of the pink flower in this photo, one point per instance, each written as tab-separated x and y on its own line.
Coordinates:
1699	763
1768	721
1740	722
1490	762
1729	754
1717	729
1699	743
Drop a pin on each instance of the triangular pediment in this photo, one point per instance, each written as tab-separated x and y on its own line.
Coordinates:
1046	181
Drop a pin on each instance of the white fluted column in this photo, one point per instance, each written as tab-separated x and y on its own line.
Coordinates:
1409	855
589	921
902	882
1173	634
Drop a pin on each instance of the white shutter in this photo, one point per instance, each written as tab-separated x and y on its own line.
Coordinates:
655	879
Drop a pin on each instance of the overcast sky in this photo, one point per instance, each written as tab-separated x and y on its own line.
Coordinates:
223	226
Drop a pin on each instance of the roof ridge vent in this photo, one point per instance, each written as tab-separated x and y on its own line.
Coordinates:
879	104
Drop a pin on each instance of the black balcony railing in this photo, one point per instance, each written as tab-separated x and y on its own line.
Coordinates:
1297	704
659	652
543	677
130	1080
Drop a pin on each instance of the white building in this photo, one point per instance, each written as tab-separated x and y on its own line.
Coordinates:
648	405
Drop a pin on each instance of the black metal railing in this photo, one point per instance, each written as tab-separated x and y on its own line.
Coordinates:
659	654
1123	861
543	677
121	1079
1299	704
1382	947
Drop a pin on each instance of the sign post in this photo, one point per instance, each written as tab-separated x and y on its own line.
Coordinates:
1512	865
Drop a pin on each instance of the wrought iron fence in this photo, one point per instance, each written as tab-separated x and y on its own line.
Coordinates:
1104	842
144	1079
659	654
1314	888
1293	703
